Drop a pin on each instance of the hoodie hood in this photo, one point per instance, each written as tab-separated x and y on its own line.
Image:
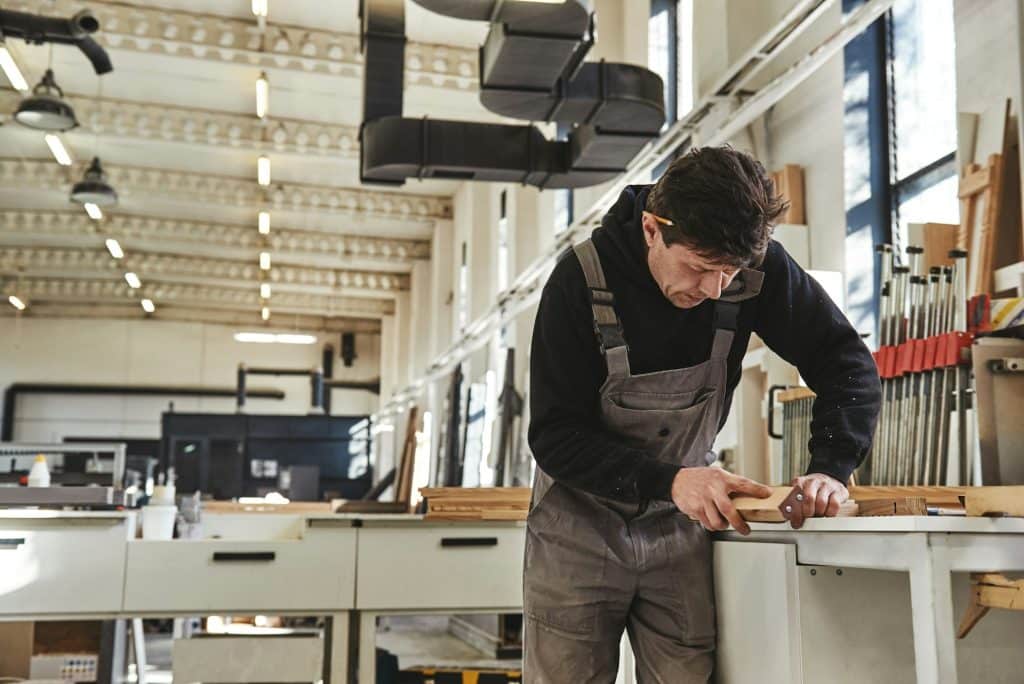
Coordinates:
620	238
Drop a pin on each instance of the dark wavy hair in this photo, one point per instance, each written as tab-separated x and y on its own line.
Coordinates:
722	203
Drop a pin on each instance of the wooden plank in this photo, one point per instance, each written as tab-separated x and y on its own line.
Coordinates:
848	509
1008	246
996	579
932	495
968	206
403	479
751	504
753	509
789	183
478	515
912	505
794	394
972	615
990	225
362	506
997	501
885	507
1009	598
473	492
877	507
937	239
977	179
472	503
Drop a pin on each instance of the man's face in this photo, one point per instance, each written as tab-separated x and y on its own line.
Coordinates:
685	278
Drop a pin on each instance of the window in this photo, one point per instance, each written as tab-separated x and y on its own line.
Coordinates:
662	47
684	57
923	113
900	138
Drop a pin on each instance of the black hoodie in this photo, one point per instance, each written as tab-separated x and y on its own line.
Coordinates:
793	315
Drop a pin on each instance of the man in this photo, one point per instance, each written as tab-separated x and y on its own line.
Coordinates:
636	350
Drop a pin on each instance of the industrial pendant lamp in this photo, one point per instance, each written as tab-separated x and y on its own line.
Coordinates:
93	188
45	109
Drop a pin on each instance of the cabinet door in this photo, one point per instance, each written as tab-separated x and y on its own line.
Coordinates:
62	566
315	573
441	566
758	610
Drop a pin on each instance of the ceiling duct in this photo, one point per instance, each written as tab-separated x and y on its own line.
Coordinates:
37	29
531	68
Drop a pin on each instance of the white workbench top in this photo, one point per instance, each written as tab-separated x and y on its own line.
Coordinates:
895	523
50	514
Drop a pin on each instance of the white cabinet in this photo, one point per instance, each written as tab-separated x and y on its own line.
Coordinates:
316	572
62	566
430	565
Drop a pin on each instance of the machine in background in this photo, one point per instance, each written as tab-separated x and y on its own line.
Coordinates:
226	456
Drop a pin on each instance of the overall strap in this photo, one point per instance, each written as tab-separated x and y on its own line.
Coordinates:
726	316
746	285
607	326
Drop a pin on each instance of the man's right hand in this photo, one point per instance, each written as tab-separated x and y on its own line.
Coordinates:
704	494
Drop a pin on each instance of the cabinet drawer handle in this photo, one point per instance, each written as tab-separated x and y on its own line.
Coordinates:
11	543
242	556
468	541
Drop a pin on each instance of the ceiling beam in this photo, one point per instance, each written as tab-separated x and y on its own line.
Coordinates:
218	240
44	174
190	269
127	26
105	292
131	311
123	119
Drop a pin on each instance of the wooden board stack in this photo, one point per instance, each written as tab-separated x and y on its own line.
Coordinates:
472	503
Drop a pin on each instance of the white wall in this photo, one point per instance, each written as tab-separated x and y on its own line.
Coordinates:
152	352
784	135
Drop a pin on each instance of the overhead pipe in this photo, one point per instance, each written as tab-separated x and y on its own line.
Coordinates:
525	290
33	28
15	390
530	68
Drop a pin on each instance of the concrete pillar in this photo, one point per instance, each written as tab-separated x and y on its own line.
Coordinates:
442	257
388	358
421	305
532	233
403	315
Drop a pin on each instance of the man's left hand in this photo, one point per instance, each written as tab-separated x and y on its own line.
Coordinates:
823	494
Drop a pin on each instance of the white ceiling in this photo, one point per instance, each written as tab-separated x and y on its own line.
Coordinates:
185	74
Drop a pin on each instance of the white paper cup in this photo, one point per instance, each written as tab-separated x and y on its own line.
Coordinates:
158	521
163	495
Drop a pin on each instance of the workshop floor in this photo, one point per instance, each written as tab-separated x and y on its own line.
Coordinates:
421	640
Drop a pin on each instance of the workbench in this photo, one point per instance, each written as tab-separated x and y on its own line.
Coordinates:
78	566
852	599
832	598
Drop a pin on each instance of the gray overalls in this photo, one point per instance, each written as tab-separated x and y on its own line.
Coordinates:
595	566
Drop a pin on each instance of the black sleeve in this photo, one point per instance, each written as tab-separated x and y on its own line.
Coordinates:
798	320
567	437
